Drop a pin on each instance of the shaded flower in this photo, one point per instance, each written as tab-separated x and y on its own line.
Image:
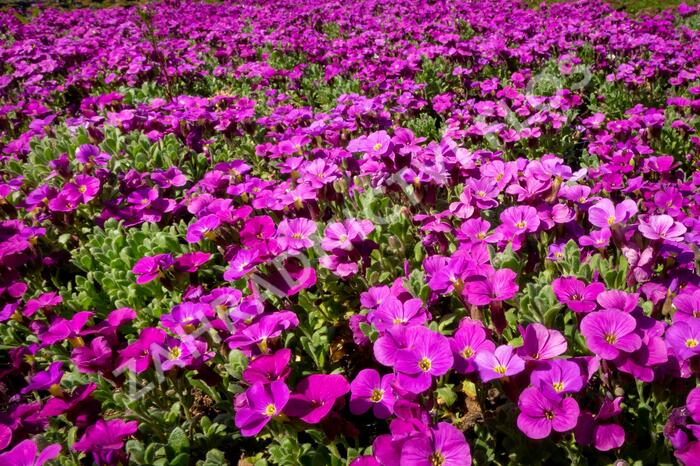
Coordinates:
315	396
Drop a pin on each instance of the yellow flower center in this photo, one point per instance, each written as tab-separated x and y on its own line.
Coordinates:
270	410
500	369
549	415
82	188
377	146
611	220
437	459
691	343
610	338
521	224
467	352
297	236
425	364
174	353
377	395
558	386
210	235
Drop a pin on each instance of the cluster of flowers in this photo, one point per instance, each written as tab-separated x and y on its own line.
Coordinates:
363	246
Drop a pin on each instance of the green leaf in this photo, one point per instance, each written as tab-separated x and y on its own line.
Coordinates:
178	440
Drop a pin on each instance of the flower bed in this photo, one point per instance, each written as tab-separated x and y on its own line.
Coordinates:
361	233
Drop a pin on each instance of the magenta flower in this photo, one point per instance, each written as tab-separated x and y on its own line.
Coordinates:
429	356
605	214
687	305
294	234
25	454
495	285
469	339
609	333
617	300
520	219
315	396
105	440
575	294
261	404
597	238
370	390
205	227
245	261
149	268
84	188
393	312
598	431
255	338
539	343
445	445
683	337
540	414
46	380
89	154
662	227
190	262
558	376
268	368
502	362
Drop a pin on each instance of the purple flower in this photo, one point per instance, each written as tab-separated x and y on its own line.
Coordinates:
261	404
616	300
105	439
445	445
205	227
89	154
540	414
574	293
84	188
687	305
502	362
595	431
469	339
93	358
609	333
46	380
370	390
597	238
495	285
186	317
191	261
294	234
25	454
256	337
149	268
315	396
558	376
429	356
520	219
245	261
393	312
683	337
605	214
662	227
541	343
268	368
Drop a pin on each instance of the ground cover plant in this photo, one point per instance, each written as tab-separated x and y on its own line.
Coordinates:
349	233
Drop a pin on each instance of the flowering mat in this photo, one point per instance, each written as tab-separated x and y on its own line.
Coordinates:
370	232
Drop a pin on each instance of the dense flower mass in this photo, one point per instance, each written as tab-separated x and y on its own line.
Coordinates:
374	233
